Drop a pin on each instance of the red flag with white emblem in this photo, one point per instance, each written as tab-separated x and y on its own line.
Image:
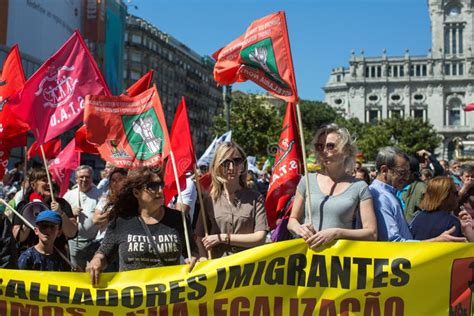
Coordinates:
52	100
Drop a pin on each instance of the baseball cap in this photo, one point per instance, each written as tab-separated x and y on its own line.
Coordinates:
49	216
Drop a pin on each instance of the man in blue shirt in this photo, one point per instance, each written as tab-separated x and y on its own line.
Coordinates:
393	169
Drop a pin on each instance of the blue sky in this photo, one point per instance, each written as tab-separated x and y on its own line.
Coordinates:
322	32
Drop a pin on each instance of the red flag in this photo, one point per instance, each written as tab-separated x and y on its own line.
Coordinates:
129	131
138	87
183	151
65	162
51	149
262	55
469	107
82	145
11	81
6	146
52	100
287	169
141	85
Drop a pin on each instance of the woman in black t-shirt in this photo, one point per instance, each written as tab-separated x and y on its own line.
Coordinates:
136	212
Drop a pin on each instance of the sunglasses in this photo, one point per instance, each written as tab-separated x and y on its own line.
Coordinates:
327	146
235	162
154	185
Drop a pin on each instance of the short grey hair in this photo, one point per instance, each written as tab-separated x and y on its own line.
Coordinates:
345	144
454	162
85	167
386	156
467	168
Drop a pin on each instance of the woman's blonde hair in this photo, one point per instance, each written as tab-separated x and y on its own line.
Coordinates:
344	144
437	192
223	152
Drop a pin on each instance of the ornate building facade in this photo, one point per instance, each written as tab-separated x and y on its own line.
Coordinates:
434	87
178	71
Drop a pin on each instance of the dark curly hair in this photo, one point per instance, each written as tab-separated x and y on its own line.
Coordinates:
124	203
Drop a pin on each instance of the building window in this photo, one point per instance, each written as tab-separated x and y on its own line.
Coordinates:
372	72
424	72
396	113
455	69
402	71
418	70
446	41
134	75
461	69
447	69
136	39
418	114
454	117
372	116
395	71
412	73
379	71
338	78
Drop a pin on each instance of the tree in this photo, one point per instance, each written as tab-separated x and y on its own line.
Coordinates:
408	134
255	127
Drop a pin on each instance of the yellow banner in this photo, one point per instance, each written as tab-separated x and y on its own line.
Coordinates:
286	278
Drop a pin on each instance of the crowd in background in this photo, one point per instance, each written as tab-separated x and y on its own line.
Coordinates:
122	223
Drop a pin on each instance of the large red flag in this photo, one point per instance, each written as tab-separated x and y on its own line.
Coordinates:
129	131
52	100
287	169
65	162
11	81
141	85
183	151
51	149
262	55
82	145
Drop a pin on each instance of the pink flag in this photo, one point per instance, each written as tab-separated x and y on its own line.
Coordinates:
52	100
61	167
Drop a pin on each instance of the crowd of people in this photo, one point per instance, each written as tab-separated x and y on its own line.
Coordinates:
123	223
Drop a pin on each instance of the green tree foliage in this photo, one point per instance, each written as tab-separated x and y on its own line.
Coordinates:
408	134
254	126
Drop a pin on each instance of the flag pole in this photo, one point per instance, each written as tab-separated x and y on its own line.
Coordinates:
47	173
202	208
305	167
180	200
25	170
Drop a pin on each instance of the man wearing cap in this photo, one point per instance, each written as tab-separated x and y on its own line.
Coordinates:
43	256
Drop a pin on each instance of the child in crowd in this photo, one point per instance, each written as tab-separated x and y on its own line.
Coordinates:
43	256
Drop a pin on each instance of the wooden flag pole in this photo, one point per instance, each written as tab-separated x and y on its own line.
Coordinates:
203	209
180	200
305	168
25	170
27	223
47	173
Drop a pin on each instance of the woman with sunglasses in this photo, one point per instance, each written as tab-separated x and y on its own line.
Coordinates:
143	233
341	205
439	202
235	214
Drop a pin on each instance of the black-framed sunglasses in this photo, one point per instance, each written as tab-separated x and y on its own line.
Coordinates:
327	146
154	185
236	162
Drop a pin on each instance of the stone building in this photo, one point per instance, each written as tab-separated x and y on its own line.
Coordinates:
179	71
434	87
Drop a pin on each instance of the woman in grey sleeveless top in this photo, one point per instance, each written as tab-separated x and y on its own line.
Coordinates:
341	205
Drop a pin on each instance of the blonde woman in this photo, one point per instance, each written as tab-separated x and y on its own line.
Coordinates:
235	214
341	205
